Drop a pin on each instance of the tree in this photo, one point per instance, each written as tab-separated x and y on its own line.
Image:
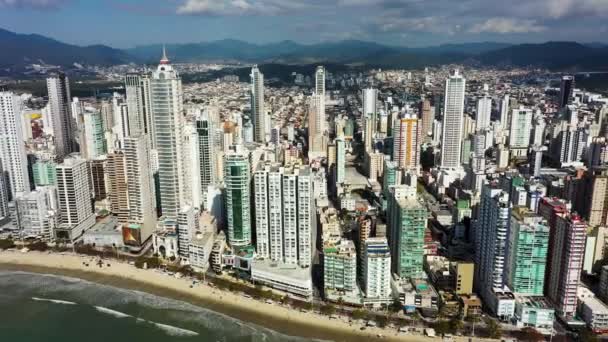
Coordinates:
328	309
456	325
396	306
530	335
442	327
382	321
7	244
494	329
359	314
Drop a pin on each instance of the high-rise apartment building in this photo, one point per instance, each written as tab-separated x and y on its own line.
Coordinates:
284	214
528	248
505	104
451	142
376	269
238	208
428	116
140	186
340	266
484	112
12	144
567	254
74	194
491	231
340	161
137	89
61	121
316	120
4	213
93	143
37	213
566	90
168	123
407	226
320	81
520	131
206	151
406	142
118	190
258	109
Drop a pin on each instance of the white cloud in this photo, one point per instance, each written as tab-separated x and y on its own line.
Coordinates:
35	4
242	7
507	25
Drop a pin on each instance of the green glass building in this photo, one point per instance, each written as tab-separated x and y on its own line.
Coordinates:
406	238
44	173
527	249
238	209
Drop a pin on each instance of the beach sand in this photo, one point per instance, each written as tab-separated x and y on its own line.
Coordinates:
273	316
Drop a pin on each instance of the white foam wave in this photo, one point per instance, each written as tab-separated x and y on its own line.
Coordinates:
56	301
174	331
111	312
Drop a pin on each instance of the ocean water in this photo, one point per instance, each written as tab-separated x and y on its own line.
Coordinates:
48	308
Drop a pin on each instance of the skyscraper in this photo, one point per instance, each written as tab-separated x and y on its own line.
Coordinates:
451	142
74	194
4	213
61	114
406	142
340	266
376	269
428	116
370	116
567	254
320	81
140	186
36	213
340	161
566	90
258	110
505	104
283	214
168	117
94	142
528	240
406	238
118	191
237	180
520	131
491	231
316	109
484	111
12	145
137	88
207	164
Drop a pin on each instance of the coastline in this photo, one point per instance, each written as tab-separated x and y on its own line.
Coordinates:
272	316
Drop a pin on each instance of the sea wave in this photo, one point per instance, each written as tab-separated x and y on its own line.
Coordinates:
111	312
56	301
174	331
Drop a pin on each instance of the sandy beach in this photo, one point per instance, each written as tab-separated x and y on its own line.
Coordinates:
273	316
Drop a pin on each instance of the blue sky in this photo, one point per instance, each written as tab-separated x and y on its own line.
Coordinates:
126	23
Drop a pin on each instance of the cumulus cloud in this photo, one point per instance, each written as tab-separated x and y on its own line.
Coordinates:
242	7
32	4
507	25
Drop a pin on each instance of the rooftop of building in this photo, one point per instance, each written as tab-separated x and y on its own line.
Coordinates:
596	305
287	270
535	302
106	226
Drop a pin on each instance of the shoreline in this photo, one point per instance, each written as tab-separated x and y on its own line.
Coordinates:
271	316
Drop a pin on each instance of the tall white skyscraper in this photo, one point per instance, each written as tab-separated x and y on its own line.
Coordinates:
504	112
137	88
316	109
283	213
376	269
74	193
370	108
258	110
451	142
484	112
4	213
140	185
36	212
520	131
340	161
320	80
61	119
93	143
168	118
12	146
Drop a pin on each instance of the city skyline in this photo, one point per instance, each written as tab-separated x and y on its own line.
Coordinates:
399	23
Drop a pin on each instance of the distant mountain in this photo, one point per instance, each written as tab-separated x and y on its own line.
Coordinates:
25	49
20	50
552	55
